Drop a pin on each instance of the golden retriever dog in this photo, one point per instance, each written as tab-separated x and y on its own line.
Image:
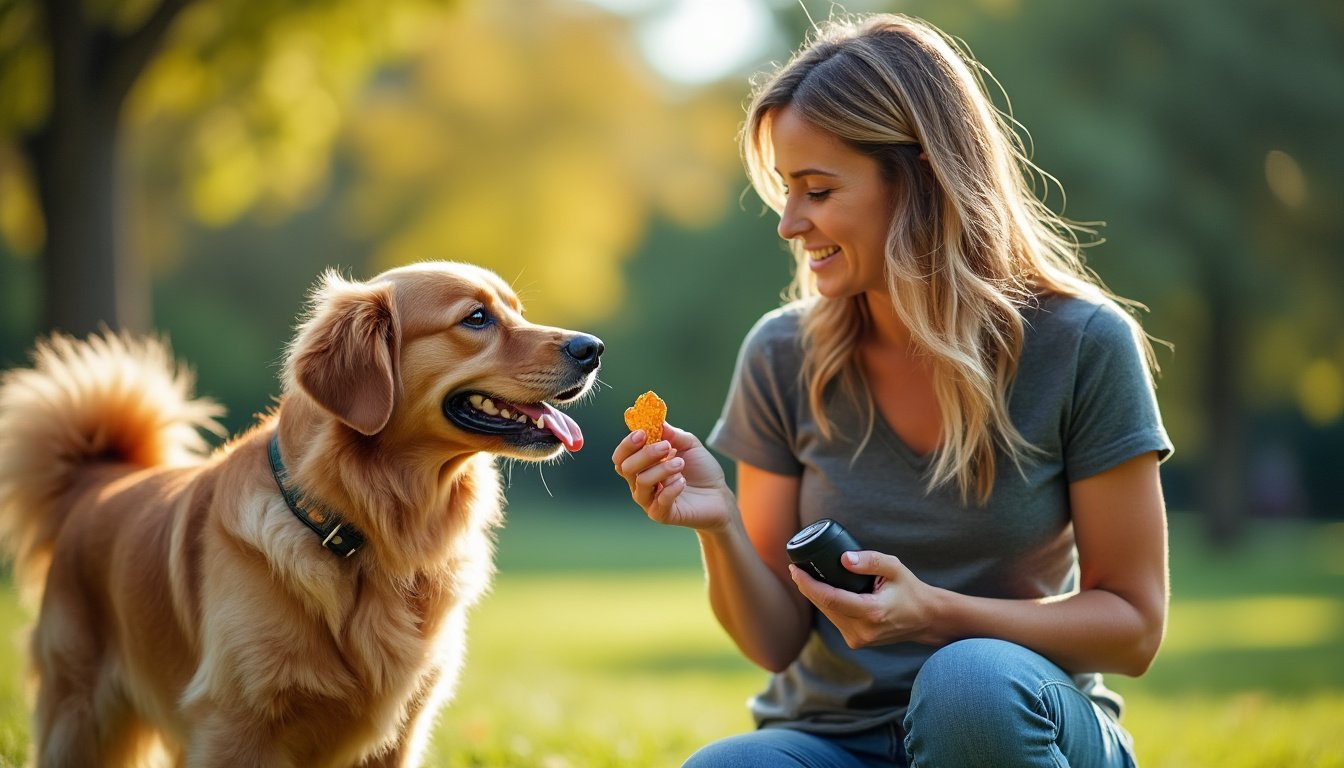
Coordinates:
297	597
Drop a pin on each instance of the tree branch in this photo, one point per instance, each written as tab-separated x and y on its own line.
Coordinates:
121	59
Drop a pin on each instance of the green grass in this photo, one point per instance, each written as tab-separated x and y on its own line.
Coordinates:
596	648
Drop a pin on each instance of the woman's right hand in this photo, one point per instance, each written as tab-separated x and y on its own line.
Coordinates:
676	481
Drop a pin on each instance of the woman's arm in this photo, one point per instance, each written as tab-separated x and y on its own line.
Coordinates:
1114	623
678	482
747	569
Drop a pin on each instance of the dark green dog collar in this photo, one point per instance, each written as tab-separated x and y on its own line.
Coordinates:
336	535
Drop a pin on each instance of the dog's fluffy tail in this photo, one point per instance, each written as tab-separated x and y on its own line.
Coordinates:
110	398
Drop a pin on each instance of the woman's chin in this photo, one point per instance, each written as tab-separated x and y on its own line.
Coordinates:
834	289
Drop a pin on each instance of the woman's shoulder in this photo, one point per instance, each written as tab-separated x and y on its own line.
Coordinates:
782	321
777	328
1057	318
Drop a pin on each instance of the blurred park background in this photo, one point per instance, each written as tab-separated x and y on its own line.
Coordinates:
189	167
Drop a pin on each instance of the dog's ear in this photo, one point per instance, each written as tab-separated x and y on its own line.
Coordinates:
345	355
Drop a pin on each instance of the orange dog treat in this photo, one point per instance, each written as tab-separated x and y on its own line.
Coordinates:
648	414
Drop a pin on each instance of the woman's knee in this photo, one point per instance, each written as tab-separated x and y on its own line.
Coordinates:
730	752
768	748
979	696
982	669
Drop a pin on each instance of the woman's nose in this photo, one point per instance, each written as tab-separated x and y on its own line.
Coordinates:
791	224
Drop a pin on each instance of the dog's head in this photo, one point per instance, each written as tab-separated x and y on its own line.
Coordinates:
439	355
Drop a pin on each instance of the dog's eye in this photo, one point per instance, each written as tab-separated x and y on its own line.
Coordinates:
477	319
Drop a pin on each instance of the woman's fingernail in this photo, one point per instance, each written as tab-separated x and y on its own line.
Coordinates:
637	437
675	464
852	557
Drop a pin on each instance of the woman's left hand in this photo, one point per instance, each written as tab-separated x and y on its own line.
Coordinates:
897	610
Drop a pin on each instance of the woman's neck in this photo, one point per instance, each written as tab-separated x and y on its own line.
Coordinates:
886	330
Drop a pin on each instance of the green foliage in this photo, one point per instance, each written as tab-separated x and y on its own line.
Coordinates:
1203	133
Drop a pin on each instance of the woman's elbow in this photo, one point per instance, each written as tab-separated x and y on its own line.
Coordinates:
774	658
1143	650
773	665
776	653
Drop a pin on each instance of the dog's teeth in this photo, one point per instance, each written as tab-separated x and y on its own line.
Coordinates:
488	406
476	400
506	413
520	418
541	422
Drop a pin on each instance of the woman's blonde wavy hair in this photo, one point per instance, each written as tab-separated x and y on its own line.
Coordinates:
971	244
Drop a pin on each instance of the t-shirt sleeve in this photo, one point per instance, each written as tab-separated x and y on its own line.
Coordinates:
1114	415
757	425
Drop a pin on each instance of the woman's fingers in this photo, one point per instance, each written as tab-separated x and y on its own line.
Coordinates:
632	457
627	448
648	482
646	468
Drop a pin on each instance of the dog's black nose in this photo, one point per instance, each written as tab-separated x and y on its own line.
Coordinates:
584	350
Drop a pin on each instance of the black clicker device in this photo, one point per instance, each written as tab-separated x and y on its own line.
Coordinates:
817	549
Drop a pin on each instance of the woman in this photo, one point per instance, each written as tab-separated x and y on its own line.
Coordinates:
957	390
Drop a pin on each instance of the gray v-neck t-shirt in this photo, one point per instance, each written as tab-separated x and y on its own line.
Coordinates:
1082	397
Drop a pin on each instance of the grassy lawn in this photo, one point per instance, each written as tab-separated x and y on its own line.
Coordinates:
596	648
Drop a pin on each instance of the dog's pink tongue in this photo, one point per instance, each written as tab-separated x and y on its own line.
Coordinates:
564	428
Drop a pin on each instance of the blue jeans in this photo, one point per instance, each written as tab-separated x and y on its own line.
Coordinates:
975	703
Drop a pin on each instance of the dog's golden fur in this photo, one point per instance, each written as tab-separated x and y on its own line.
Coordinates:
186	611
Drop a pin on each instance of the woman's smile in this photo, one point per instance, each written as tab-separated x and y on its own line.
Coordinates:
817	258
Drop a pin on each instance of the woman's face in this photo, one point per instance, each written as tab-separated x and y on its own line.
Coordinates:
837	205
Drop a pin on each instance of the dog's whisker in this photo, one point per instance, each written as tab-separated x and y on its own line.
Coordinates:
592	391
542	474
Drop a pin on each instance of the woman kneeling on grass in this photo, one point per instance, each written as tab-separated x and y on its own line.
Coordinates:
956	389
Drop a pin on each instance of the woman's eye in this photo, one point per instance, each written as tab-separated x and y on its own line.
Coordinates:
818	194
477	319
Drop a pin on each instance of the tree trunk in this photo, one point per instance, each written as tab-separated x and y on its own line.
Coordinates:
1224	488
89	277
88	281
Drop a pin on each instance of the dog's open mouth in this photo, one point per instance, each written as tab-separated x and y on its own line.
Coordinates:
521	423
